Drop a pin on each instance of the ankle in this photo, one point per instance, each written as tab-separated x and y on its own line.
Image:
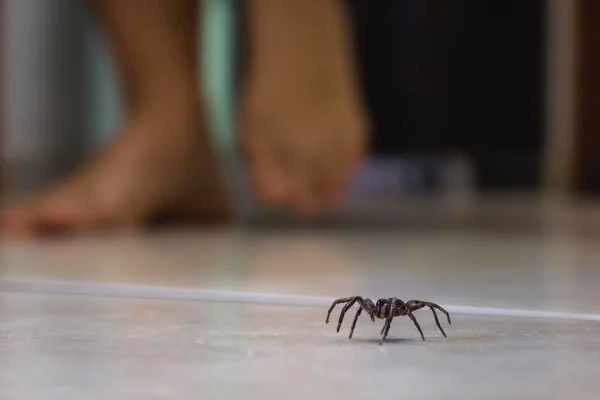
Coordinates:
174	102
172	112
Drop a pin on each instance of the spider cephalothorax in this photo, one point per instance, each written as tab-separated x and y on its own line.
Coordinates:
386	309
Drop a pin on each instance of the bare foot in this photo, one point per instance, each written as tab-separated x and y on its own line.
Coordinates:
154	168
303	125
303	146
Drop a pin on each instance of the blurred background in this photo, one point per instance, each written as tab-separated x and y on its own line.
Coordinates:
485	137
468	97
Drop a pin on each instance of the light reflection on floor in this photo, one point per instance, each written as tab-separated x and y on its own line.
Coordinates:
179	346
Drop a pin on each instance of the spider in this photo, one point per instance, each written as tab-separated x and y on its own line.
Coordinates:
386	309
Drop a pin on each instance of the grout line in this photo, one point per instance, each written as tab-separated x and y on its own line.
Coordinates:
166	293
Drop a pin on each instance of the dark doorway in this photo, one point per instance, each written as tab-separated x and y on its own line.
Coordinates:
464	75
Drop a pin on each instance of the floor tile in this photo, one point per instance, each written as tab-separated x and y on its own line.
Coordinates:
85	347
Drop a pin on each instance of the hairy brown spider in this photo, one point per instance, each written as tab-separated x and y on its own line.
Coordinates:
386	309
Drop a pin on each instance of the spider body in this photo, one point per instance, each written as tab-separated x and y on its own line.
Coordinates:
385	309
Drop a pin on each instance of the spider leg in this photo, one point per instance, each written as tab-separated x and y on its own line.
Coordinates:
437	321
383	327
344	310
385	330
354	322
398	310
410	314
388	322
394	313
335	303
384	314
368	305
414	305
433	305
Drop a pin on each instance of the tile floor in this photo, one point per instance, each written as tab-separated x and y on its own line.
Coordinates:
231	315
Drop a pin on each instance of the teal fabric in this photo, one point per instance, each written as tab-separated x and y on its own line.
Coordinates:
217	46
105	110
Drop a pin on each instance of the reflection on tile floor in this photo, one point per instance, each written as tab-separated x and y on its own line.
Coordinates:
85	347
553	272
73	347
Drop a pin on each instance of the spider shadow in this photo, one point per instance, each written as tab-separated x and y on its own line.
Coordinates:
388	340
